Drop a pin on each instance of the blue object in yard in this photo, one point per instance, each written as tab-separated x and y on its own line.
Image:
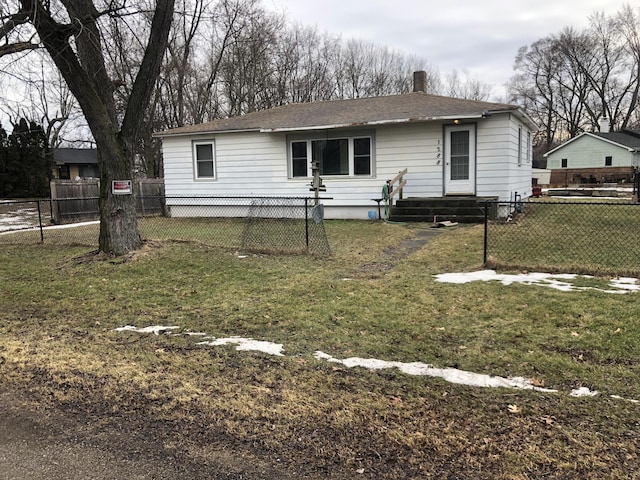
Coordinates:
372	215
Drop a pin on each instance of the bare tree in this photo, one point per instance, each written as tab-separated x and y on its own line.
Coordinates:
73	33
569	80
463	85
627	22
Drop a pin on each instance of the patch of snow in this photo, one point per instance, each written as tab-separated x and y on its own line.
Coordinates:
19	218
155	329
618	397
451	375
583	392
560	282
247	344
626	283
72	225
30	227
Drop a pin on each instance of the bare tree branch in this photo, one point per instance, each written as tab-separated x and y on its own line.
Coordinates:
17	47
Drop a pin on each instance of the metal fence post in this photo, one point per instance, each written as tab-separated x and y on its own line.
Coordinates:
486	231
306	221
40	222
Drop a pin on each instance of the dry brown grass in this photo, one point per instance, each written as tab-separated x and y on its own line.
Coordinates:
302	415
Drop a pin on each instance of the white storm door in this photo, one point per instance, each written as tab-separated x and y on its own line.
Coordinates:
460	160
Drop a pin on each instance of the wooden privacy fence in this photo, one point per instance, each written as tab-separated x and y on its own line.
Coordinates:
73	201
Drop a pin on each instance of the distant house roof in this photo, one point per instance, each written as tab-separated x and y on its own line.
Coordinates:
627	139
74	156
370	111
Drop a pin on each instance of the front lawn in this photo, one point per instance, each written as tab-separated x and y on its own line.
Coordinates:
370	299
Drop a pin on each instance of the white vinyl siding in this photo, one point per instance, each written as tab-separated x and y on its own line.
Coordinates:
587	151
259	164
499	173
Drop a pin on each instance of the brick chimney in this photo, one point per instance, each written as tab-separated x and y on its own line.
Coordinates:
420	81
603	123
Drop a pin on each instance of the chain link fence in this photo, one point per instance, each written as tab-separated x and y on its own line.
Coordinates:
584	237
257	224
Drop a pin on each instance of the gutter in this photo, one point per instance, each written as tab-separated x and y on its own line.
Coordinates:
205	132
369	124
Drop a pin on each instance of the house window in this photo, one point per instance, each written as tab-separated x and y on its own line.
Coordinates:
204	160
519	145
362	156
608	161
563	163
528	147
299	159
64	173
460	155
332	156
89	171
349	156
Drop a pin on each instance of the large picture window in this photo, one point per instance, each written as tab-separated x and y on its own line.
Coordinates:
349	156
204	160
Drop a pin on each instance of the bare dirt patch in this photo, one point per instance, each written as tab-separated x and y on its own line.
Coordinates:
81	442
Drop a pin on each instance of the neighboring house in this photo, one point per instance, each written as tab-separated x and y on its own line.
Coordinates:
598	157
72	163
451	147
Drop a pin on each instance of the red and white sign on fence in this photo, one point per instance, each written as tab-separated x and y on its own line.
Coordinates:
121	187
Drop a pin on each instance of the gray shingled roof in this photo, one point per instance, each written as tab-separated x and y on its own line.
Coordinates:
66	156
628	138
409	107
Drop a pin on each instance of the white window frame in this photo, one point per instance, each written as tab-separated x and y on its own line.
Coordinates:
529	151
194	152
519	146
349	136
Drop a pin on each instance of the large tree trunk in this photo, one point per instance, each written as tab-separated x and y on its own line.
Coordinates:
76	48
118	221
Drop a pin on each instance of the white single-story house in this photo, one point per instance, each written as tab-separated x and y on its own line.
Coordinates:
449	146
595	157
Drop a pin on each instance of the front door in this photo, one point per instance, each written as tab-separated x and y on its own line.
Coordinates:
460	160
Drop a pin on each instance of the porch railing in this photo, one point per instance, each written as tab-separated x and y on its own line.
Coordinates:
394	189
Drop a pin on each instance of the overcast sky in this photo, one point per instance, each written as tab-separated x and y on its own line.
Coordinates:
481	36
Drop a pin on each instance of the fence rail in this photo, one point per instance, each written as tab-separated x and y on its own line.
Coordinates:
271	224
590	237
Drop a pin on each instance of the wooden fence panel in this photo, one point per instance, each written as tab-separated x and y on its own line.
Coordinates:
73	201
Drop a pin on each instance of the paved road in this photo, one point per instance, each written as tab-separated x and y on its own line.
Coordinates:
36	444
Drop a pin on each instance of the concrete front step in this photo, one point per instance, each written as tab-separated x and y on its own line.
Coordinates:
439	211
440	218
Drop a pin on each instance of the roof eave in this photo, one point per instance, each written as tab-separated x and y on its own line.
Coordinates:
168	133
373	123
474	116
523	115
